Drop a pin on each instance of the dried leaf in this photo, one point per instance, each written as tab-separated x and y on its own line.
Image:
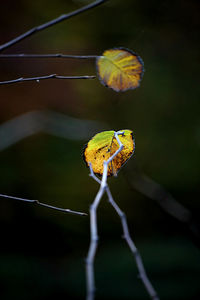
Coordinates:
120	69
103	145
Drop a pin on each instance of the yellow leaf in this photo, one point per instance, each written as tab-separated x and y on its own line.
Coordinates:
103	145
120	69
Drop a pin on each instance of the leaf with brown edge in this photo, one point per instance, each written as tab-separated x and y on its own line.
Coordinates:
120	69
103	145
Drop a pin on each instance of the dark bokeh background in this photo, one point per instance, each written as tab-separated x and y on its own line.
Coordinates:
42	252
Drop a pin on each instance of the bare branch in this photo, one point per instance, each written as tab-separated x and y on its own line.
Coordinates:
142	273
51	23
37	79
93	245
57	55
94	232
45	205
93	175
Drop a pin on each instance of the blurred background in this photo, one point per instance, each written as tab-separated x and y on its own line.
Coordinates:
45	125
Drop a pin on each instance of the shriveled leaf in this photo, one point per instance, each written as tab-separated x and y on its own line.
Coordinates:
120	69
103	145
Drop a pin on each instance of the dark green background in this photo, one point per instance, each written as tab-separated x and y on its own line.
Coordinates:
42	252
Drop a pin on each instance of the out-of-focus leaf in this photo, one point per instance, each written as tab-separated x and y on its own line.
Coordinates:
120	69
103	145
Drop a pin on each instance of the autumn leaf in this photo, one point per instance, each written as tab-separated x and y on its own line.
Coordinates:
103	145
120	69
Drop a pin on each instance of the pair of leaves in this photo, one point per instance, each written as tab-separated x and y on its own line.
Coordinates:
121	70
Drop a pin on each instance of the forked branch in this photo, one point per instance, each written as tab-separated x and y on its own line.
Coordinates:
94	232
65	210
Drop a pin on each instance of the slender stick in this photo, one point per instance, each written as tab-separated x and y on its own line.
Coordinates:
57	55
51	23
142	273
52	76
94	236
45	205
93	245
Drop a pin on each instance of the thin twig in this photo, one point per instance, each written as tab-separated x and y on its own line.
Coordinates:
45	205
93	245
37	79
57	55
94	235
126	235
51	23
